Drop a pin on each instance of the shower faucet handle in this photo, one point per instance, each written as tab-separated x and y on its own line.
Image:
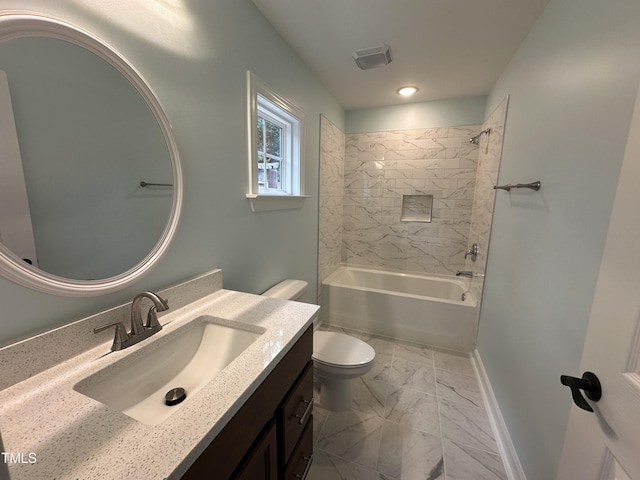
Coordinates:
473	252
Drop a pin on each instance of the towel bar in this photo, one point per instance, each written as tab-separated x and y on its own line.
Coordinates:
533	186
145	184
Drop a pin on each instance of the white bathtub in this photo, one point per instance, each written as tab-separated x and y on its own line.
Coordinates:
429	310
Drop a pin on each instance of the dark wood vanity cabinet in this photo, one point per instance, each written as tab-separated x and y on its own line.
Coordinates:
271	436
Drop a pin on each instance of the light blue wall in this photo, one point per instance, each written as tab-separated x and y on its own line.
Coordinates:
439	113
195	55
572	84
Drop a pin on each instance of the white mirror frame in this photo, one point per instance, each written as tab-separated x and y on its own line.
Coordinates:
16	24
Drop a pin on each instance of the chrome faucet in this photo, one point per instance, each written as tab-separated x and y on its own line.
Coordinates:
139	332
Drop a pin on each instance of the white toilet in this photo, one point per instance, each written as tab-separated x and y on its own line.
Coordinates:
337	358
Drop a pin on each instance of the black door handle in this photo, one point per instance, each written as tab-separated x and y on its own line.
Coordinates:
589	383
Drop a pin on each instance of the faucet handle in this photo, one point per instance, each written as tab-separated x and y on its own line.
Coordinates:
120	336
152	319
473	252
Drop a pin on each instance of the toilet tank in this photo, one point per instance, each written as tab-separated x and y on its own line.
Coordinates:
287	290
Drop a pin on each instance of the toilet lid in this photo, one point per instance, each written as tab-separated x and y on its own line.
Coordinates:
341	349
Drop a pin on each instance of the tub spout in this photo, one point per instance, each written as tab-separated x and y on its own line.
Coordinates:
460	273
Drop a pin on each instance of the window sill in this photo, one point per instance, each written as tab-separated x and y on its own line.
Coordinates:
261	203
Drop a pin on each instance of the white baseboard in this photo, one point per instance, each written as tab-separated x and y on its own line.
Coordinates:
505	445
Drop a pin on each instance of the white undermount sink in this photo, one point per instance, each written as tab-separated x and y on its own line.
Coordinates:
188	358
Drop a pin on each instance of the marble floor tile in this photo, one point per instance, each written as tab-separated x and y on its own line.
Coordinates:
415	409
464	463
413	352
458	387
353	436
453	362
369	395
319	417
417	414
381	368
466	425
416	376
329	467
409	454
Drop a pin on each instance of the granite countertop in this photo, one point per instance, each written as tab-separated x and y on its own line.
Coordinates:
73	436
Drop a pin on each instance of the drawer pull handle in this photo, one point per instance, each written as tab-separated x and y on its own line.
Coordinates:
308	459
303	418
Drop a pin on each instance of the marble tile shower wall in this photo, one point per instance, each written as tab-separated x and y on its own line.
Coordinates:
382	166
332	152
490	152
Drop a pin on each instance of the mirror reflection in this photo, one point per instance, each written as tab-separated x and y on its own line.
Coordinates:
84	140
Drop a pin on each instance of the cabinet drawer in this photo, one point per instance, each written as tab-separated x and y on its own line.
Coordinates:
296	411
302	456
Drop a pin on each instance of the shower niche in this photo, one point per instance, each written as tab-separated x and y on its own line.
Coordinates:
416	208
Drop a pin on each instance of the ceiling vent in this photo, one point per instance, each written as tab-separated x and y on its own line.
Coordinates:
372	57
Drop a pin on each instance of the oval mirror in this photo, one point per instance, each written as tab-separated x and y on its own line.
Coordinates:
91	183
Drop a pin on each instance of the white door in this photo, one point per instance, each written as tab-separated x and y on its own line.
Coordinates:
605	444
16	231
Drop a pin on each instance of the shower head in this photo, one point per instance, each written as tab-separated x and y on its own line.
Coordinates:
475	140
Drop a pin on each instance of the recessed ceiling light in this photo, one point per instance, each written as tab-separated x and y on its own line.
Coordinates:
407	91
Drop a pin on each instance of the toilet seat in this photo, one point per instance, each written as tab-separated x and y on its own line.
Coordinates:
340	350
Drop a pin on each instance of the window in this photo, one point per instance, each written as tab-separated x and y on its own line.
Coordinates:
275	129
274	152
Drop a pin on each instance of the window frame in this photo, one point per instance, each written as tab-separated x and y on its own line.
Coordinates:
263	101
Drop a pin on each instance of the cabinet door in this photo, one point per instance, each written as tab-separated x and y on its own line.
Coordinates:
262	462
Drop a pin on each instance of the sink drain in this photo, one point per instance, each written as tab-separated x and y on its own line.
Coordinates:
175	396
